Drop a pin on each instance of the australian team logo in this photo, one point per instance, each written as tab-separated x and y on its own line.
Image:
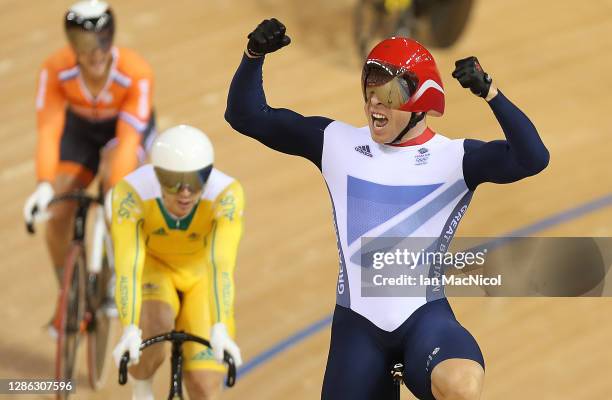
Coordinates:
149	287
128	208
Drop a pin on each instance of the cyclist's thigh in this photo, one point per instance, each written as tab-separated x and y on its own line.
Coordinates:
156	318
80	146
160	301
195	317
65	183
436	336
358	366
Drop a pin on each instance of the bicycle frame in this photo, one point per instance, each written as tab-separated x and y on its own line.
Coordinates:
92	267
100	243
397	375
80	218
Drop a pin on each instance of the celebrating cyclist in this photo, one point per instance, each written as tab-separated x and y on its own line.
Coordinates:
94	115
393	178
176	225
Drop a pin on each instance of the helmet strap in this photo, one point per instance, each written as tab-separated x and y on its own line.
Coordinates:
415	118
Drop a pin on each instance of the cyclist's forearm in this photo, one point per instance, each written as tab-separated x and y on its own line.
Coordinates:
129	256
50	121
278	128
246	95
126	152
223	291
224	248
523	138
129	250
48	150
224	241
522	154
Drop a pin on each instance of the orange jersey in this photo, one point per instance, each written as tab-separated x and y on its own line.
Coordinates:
127	96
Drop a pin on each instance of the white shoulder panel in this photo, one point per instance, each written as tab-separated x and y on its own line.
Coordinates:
144	181
217	183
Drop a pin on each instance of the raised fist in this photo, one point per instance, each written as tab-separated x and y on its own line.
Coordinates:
269	36
470	75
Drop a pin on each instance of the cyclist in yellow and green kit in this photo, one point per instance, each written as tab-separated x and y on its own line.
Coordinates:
176	224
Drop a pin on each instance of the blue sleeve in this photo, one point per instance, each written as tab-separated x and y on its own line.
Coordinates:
278	128
522	154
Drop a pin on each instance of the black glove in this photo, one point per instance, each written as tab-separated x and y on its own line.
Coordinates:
469	73
269	36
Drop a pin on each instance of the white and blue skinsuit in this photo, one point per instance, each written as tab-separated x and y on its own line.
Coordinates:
419	189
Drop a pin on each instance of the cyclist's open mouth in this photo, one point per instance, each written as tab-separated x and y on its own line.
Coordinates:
379	120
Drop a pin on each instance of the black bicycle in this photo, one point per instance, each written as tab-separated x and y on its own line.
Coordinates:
176	361
435	23
84	289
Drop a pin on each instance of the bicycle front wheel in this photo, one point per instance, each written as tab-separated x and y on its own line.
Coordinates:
100	327
70	315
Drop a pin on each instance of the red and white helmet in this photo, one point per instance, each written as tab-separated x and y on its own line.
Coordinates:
403	74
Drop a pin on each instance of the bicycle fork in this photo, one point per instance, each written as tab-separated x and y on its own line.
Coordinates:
176	390
98	242
397	375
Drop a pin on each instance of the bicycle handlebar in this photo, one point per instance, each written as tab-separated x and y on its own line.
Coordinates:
177	337
79	196
30	224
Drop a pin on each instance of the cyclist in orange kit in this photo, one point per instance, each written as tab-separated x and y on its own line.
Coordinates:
94	116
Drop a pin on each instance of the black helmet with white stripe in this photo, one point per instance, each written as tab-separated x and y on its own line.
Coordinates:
90	24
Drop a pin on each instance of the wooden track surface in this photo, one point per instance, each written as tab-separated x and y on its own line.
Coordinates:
553	58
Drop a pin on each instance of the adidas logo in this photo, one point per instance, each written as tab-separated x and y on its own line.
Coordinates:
149	286
365	150
160	232
206	354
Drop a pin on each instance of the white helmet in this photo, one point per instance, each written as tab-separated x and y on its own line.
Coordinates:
89	8
182	156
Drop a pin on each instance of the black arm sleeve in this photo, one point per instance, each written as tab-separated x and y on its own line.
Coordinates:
278	128
522	154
